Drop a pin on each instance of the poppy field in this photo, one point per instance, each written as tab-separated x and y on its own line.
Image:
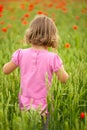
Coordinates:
67	103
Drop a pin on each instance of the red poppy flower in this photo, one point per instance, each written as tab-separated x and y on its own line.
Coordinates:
24	22
22	19
4	29
84	10
11	9
37	1
77	17
2	22
31	7
82	115
26	15
1	8
50	5
9	25
64	9
22	6
75	27
61	4
39	12
67	45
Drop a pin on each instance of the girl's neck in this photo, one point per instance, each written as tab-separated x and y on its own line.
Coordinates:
39	47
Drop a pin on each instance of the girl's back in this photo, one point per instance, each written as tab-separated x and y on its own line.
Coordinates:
34	66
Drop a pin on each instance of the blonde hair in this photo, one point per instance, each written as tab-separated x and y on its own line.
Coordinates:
42	32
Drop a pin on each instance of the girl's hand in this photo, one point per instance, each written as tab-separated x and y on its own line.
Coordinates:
62	75
9	67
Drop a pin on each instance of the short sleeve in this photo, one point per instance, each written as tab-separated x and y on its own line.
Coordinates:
16	57
56	63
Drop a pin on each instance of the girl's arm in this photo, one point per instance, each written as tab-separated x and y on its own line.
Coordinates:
62	75
9	67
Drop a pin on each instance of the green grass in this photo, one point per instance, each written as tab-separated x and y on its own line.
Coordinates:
65	101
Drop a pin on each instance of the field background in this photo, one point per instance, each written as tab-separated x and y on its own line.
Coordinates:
70	99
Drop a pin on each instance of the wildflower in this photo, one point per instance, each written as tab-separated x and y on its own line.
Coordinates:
31	7
67	45
24	22
1	8
26	15
77	17
22	19
22	6
4	29
61	4
2	22
50	5
84	10
9	25
64	9
39	12
37	2
82	115
75	27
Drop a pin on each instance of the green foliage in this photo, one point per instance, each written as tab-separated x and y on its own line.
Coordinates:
65	101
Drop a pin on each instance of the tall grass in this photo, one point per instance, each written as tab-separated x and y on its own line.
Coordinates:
65	101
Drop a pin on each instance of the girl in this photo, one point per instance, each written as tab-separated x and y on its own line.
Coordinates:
37	62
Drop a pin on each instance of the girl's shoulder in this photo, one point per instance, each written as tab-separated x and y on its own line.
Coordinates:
53	54
20	50
55	57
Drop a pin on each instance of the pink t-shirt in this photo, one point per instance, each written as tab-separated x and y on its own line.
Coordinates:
34	66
